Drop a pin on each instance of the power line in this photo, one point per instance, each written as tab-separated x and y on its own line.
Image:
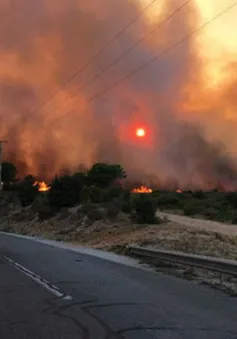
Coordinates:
108	44
167	50
158	56
132	47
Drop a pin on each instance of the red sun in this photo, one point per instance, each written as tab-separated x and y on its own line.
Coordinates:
140	132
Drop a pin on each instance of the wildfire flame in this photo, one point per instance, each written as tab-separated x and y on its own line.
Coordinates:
42	186
142	189
179	191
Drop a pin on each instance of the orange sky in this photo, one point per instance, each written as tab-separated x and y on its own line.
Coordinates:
222	31
218	40
191	124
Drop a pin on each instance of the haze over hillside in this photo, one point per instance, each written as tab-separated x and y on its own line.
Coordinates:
189	118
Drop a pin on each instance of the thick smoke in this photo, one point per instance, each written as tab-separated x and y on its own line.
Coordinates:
43	43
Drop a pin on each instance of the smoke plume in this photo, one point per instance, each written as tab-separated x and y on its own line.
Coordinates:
190	125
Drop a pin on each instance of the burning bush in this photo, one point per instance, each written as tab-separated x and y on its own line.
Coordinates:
142	190
42	186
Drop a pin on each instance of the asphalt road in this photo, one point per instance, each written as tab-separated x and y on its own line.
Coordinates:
53	293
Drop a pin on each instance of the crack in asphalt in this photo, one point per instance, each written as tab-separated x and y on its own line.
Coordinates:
172	328
70	304
84	329
61	308
87	307
84	306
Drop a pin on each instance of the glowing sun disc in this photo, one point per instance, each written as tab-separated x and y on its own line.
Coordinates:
140	132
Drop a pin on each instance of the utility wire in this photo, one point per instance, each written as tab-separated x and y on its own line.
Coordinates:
127	51
96	55
167	50
132	47
158	56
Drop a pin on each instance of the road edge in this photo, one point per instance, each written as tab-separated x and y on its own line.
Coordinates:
104	255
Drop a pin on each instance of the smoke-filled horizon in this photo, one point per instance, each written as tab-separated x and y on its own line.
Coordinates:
190	126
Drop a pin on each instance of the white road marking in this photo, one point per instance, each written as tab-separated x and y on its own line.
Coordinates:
41	281
108	256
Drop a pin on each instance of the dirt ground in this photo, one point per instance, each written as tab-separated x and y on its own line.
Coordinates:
109	234
168	236
207	225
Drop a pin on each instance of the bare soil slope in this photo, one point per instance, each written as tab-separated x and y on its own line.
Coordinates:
180	234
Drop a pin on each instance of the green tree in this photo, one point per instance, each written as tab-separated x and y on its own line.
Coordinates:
65	191
113	193
80	178
9	172
28	191
145	208
104	175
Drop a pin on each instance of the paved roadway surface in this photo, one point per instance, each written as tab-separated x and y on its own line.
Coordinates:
57	293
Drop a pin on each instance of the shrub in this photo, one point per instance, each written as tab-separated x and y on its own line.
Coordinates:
113	210
9	172
80	178
210	212
46	212
145	209
41	200
231	198
198	194
85	195
65	192
95	214
127	203
127	207
103	175
95	194
192	208
227	215
234	217
168	200
27	192
87	207
126	195
113	193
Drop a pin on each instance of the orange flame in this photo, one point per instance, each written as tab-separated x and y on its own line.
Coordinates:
142	189
179	191
42	186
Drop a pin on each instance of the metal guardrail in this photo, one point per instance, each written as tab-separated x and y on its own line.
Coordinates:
207	263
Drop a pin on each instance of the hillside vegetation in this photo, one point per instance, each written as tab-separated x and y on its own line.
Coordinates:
96	208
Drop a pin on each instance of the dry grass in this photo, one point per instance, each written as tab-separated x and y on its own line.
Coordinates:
107	234
208	225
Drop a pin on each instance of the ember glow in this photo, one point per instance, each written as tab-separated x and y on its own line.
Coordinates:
42	186
187	98
142	189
